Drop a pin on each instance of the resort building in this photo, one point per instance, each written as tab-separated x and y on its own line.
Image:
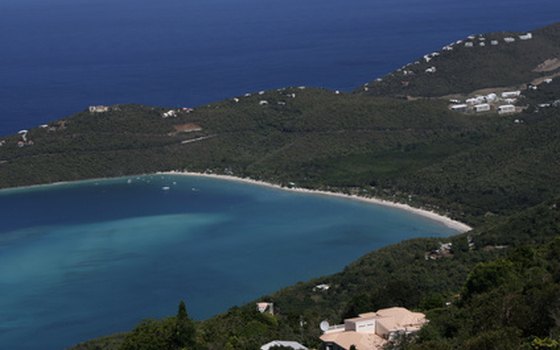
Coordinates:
372	330
285	344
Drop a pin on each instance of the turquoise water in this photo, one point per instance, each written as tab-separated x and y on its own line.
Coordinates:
86	259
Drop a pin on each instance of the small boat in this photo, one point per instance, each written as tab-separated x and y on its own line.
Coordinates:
165	188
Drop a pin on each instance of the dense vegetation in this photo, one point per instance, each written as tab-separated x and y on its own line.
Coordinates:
499	289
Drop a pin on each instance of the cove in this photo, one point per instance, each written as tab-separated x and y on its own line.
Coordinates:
91	258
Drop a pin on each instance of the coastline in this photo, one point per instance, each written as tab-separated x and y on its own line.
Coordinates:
460	227
445	220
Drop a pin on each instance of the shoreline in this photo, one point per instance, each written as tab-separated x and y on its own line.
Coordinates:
445	220
459	226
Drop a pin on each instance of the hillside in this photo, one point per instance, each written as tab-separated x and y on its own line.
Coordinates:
497	172
461	70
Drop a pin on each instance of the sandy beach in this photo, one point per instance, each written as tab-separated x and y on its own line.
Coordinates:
453	224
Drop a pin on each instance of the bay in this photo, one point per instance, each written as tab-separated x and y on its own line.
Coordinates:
85	259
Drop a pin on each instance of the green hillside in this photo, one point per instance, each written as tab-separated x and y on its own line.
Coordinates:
467	69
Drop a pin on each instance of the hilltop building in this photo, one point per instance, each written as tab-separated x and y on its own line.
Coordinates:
98	109
265	308
372	330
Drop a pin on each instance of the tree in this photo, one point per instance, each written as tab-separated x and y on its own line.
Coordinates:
185	332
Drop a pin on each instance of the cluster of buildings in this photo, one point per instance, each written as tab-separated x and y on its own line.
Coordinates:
445	250
173	113
24	140
482	42
368	331
372	330
469	42
503	103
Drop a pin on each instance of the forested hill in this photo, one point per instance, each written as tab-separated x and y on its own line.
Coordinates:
476	62
498	172
418	151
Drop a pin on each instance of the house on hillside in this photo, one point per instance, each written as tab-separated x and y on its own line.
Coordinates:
283	343
506	109
265	308
510	94
372	330
509	40
483	107
98	109
459	107
527	36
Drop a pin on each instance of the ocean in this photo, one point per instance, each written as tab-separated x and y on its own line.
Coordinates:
92	258
59	56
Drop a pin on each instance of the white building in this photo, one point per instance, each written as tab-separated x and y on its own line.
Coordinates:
169	114
459	108
431	70
475	100
287	344
510	94
491	97
494	42
527	36
321	287
548	80
263	102
483	107
509	40
98	109
264	307
372	330
469	44
505	109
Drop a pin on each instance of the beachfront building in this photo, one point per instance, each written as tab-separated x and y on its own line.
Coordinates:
372	330
285	344
527	36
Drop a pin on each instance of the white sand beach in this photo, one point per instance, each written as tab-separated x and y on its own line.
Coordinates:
447	221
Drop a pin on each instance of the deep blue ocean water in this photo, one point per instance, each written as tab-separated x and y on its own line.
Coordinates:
87	259
59	56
